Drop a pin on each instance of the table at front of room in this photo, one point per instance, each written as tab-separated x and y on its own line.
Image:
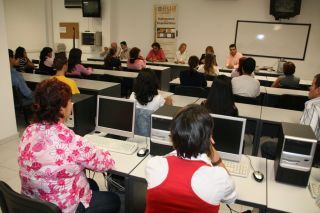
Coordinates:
288	198
249	191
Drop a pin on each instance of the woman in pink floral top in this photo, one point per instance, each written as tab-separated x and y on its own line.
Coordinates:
52	158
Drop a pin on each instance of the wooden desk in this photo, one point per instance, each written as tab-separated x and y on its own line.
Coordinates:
288	198
249	191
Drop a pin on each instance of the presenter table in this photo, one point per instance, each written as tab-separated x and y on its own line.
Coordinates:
288	198
249	191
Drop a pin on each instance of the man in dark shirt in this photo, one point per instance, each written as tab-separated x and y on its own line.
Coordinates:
18	81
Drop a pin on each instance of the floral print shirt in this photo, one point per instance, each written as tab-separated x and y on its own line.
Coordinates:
52	159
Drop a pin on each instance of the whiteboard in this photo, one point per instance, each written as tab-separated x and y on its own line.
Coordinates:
272	39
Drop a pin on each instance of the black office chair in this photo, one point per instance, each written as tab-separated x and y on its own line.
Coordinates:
210	77
248	100
13	202
191	91
293	102
21	104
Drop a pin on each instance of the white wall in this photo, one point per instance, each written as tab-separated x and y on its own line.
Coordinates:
26	24
211	22
7	114
200	23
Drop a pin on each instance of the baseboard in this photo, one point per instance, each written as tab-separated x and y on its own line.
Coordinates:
10	138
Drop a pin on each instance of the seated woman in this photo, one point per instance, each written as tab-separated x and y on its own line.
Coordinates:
238	72
111	61
192	77
61	64
75	68
23	63
46	61
220	99
145	92
209	50
52	158
288	80
156	54
181	54
209	67
192	177
136	60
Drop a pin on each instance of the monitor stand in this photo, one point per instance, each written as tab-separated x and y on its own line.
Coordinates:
118	137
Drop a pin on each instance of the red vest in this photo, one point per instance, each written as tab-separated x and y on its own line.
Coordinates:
175	193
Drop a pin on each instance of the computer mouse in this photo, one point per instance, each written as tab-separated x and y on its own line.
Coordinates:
258	176
142	152
97	132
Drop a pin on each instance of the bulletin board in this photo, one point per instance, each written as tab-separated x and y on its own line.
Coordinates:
66	30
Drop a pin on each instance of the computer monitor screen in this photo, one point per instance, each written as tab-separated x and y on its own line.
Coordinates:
115	116
228	134
91	8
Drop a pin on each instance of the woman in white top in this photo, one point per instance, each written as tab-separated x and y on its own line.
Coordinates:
181	54
209	67
145	92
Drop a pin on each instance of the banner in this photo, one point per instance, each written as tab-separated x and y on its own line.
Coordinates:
165	28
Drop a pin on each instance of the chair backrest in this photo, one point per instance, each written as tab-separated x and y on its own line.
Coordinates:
191	91
293	102
142	122
13	202
248	100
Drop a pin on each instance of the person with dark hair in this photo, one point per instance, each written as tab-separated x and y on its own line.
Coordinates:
46	61
233	58
192	77
60	63
111	61
209	50
124	52
106	50
193	176
220	99
136	61
23	63
288	80
310	116
156	54
237	72
209	67
182	54
75	68
145	92
18	81
246	85
52	158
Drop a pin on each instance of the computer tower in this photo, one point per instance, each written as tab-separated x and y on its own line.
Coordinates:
82	118
295	152
160	142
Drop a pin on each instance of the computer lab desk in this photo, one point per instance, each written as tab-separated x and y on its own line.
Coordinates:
249	191
270	122
85	86
125	164
288	198
181	101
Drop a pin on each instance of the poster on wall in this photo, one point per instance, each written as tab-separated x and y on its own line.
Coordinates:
165	28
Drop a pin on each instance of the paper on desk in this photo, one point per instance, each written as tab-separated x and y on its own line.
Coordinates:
164	93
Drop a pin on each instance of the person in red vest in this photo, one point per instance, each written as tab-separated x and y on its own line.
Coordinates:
192	177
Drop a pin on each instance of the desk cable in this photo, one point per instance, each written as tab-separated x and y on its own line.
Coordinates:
250	162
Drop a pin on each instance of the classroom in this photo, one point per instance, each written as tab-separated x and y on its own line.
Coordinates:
35	24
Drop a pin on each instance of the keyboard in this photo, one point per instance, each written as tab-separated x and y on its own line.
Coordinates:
314	189
237	169
113	145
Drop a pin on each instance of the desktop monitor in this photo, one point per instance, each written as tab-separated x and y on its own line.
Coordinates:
228	134
115	116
